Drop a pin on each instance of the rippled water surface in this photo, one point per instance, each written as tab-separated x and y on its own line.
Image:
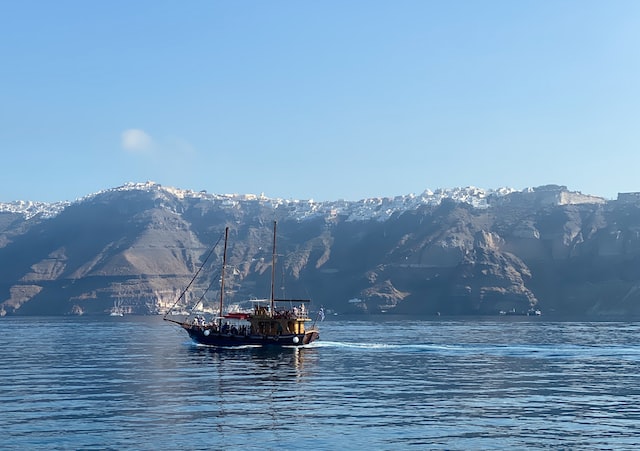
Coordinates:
138	383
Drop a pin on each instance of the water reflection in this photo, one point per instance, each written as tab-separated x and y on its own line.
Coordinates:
266	363
257	367
231	386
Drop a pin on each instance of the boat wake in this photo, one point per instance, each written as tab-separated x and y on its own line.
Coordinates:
378	346
541	351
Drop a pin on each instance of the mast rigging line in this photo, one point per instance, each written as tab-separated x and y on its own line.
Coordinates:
194	277
213	280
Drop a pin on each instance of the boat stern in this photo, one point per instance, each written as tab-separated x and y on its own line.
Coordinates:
310	336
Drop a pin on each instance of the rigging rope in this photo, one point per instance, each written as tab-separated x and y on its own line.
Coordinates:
194	277
213	279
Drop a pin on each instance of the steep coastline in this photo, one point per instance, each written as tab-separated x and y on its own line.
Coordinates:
462	251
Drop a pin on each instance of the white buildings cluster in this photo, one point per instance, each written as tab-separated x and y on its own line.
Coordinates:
366	209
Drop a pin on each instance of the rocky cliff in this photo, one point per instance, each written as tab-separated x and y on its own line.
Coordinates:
134	249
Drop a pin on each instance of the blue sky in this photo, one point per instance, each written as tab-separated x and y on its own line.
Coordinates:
319	100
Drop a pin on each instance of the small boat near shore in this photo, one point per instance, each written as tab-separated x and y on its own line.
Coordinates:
270	322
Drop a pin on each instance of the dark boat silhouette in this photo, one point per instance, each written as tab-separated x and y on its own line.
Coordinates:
270	322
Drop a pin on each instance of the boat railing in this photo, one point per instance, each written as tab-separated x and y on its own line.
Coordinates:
290	314
297	308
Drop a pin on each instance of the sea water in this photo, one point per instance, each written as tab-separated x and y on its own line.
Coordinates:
476	383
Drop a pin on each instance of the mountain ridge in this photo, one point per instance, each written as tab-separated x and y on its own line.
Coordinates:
478	197
458	251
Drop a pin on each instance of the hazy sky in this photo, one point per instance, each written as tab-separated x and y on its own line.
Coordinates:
319	100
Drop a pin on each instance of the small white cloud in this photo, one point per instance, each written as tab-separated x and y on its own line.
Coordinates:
135	140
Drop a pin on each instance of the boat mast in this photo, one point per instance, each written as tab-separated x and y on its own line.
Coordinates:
224	266
273	271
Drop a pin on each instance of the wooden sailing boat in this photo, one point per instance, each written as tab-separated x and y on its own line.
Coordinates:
282	322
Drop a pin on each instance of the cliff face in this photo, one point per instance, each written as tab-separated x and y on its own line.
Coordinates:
136	250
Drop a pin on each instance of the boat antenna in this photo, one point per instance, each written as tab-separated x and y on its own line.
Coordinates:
224	265
273	271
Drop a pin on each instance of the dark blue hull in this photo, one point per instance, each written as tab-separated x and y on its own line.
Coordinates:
206	336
